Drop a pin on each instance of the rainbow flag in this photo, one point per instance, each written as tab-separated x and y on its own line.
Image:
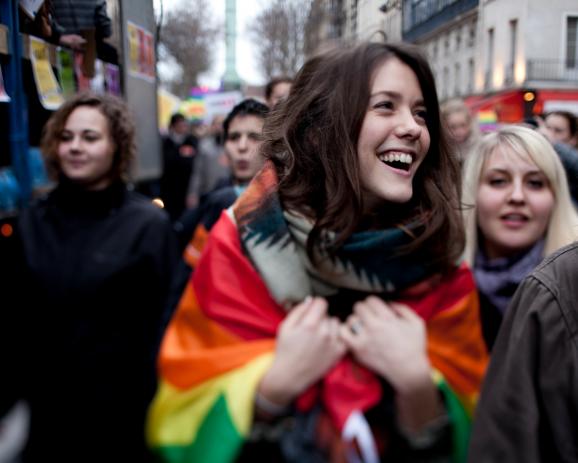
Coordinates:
488	120
221	341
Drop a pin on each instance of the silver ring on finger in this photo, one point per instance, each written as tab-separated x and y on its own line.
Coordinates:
355	327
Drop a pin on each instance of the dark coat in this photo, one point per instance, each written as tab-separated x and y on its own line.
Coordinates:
96	275
178	166
528	411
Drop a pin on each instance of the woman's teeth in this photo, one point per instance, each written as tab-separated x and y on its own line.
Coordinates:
397	160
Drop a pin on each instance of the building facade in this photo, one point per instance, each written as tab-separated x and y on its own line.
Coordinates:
513	57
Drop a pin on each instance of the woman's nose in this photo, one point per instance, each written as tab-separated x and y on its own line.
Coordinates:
75	144
408	126
517	193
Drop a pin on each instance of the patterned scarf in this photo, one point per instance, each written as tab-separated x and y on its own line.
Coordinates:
276	239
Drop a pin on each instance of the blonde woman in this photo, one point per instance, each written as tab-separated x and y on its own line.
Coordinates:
518	209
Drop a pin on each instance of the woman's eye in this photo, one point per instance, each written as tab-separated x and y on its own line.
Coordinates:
536	184
422	114
65	136
384	105
497	181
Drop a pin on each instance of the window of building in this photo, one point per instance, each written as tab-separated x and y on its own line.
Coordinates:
471	75
572	42
353	16
472	34
489	58
457	79
513	50
458	38
447	44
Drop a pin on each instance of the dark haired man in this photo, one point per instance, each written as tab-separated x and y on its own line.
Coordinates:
242	132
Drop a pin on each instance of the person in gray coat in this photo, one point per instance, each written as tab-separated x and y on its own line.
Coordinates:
528	410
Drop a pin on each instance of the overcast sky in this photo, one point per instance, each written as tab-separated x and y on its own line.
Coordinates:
246	62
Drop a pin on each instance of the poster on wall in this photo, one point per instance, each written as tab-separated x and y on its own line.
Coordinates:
97	83
66	72
141	52
3	95
82	81
49	91
112	78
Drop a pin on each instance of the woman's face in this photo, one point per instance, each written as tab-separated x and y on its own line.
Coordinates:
459	125
514	203
86	150
394	138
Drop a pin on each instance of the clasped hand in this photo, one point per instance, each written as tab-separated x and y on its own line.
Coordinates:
387	338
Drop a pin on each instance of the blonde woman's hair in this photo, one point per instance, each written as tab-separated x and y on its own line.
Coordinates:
527	144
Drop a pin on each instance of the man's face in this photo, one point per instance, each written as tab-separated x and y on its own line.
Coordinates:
180	127
242	146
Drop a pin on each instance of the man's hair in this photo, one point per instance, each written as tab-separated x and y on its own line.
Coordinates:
176	118
120	124
247	107
273	82
312	141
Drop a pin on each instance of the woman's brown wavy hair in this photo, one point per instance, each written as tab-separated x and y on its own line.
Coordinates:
120	124
312	136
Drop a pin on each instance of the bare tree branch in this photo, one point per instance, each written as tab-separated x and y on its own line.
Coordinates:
279	36
188	35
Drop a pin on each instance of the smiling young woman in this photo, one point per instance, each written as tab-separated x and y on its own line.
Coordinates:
518	210
337	309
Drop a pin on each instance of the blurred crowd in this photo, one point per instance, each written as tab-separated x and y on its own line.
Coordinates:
335	267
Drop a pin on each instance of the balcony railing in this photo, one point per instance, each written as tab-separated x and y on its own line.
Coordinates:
551	69
421	17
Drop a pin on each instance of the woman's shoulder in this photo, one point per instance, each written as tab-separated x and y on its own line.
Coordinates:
143	208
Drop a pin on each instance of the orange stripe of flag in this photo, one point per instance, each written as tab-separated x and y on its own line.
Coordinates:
196	348
456	347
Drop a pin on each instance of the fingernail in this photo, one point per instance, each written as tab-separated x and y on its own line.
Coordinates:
308	299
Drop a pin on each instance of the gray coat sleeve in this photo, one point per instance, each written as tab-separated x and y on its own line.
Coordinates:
528	408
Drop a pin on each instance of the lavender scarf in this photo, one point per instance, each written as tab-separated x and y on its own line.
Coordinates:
498	279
